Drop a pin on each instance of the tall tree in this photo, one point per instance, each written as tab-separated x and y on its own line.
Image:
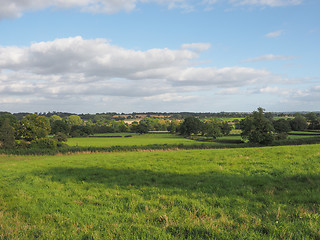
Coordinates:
257	128
190	125
7	139
32	127
299	123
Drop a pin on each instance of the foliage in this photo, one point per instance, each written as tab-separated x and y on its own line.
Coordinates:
212	129
173	127
55	117
225	128
44	143
32	127
299	123
61	137
313	120
74	120
190	125
12	119
80	131
60	126
7	139
256	128
140	127
281	126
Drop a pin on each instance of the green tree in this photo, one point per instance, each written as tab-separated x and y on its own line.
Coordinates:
212	129
281	126
12	119
299	123
32	127
140	127
74	120
226	128
60	126
257	128
54	118
313	121
173	126
7	139
190	125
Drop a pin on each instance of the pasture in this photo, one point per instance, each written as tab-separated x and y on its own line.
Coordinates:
248	193
108	140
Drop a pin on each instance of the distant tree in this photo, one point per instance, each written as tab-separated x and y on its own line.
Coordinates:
173	126
60	126
32	127
7	139
225	128
74	120
12	119
61	137
212	129
282	126
190	125
313	120
141	127
81	131
257	128
299	123
55	117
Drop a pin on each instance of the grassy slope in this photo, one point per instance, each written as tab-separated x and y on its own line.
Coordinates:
257	193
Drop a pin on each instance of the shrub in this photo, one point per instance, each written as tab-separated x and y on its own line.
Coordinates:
44	143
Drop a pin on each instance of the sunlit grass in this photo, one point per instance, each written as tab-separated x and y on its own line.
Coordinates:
256	193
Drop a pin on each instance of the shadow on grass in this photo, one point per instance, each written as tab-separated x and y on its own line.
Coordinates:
304	189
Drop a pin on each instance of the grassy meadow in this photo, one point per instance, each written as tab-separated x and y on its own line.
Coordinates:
248	193
106	140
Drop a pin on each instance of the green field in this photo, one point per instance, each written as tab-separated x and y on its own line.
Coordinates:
136	139
249	193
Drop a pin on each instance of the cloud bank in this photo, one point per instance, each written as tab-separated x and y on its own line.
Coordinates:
68	69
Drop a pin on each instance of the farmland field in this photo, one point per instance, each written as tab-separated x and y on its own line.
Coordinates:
136	139
249	193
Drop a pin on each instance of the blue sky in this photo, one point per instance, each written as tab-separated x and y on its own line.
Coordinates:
159	55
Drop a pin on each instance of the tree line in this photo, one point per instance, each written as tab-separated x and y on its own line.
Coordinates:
257	127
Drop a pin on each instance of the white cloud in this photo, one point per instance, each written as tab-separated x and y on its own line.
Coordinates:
274	34
71	70
270	57
15	8
197	46
271	3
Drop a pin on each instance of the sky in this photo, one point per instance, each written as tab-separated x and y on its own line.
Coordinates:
92	56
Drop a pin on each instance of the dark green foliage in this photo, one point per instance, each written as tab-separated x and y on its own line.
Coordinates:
81	131
299	123
60	126
141	128
12	119
257	128
313	120
44	143
7	140
212	129
190	125
61	137
282	126
226	128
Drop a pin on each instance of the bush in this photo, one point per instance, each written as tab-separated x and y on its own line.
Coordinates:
44	143
61	137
